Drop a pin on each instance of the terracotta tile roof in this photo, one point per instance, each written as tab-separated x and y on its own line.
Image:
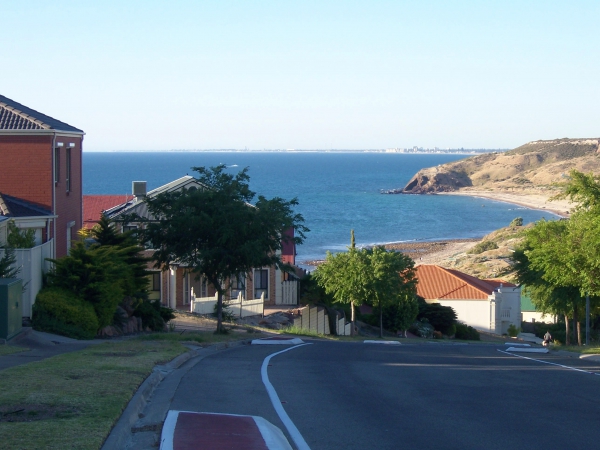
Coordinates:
435	282
94	205
14	116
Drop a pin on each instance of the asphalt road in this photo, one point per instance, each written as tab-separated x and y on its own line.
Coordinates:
361	396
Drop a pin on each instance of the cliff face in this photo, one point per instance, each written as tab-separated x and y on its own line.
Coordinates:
535	165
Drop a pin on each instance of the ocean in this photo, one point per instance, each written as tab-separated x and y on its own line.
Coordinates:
337	192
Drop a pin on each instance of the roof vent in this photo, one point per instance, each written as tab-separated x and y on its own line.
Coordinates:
138	188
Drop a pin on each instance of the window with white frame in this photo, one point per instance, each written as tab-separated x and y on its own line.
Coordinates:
238	285
261	282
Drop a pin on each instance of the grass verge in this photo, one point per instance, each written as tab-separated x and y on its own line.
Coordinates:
73	400
10	349
584	350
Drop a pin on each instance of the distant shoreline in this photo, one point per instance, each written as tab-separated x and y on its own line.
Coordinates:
423	252
536	201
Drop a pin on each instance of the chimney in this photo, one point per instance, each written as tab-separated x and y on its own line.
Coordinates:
138	188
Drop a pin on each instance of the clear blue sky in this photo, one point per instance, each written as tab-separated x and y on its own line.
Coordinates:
306	74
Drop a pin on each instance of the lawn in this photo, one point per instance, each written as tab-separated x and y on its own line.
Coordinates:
10	349
73	400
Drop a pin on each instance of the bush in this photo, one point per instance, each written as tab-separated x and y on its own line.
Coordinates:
60	311
94	275
153	315
422	328
513	331
483	246
466	333
516	222
442	318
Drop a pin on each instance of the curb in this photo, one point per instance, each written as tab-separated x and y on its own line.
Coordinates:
121	431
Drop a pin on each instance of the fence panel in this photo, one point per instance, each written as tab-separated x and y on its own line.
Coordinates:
289	293
32	262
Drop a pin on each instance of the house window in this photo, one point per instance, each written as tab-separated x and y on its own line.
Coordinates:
127	228
261	282
70	226
56	165
154	286
238	285
204	288
68	179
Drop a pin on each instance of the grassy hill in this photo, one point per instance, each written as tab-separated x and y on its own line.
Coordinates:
533	167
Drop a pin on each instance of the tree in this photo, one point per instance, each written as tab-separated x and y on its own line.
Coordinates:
18	238
342	276
391	279
373	276
556	270
7	264
94	274
216	232
104	233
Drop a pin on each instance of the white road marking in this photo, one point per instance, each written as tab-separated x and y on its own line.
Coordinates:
382	342
268	341
551	363
287	422
527	350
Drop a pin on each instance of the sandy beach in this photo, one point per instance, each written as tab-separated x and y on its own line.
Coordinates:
533	200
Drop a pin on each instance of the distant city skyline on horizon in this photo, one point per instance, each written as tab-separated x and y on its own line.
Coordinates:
324	74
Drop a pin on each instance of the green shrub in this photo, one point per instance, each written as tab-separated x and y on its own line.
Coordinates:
422	328
483	246
442	318
60	311
95	275
513	331
516	222
153	315
466	333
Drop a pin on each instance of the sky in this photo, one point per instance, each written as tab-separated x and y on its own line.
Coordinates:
324	74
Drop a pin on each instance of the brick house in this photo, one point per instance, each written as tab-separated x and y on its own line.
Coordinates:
41	164
488	305
178	288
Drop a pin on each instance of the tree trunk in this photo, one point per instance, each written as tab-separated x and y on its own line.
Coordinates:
352	318
220	329
567	331
575	323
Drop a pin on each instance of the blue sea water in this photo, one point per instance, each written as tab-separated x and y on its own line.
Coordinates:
337	192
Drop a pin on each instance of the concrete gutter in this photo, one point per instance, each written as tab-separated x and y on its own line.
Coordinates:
133	421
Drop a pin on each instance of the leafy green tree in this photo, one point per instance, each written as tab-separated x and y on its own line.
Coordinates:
343	276
18	238
216	232
7	264
390	279
105	234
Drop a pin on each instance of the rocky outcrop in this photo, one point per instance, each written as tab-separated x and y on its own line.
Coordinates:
535	165
433	180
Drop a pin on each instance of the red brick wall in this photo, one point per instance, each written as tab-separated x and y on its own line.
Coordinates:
26	163
69	205
27	173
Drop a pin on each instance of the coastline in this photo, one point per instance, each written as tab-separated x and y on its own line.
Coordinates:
438	252
423	252
537	201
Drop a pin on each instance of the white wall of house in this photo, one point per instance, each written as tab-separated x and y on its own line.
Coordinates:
536	316
494	314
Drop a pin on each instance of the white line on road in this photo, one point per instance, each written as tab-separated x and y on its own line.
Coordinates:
294	433
551	363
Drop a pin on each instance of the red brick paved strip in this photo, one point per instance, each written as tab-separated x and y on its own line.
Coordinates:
185	430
